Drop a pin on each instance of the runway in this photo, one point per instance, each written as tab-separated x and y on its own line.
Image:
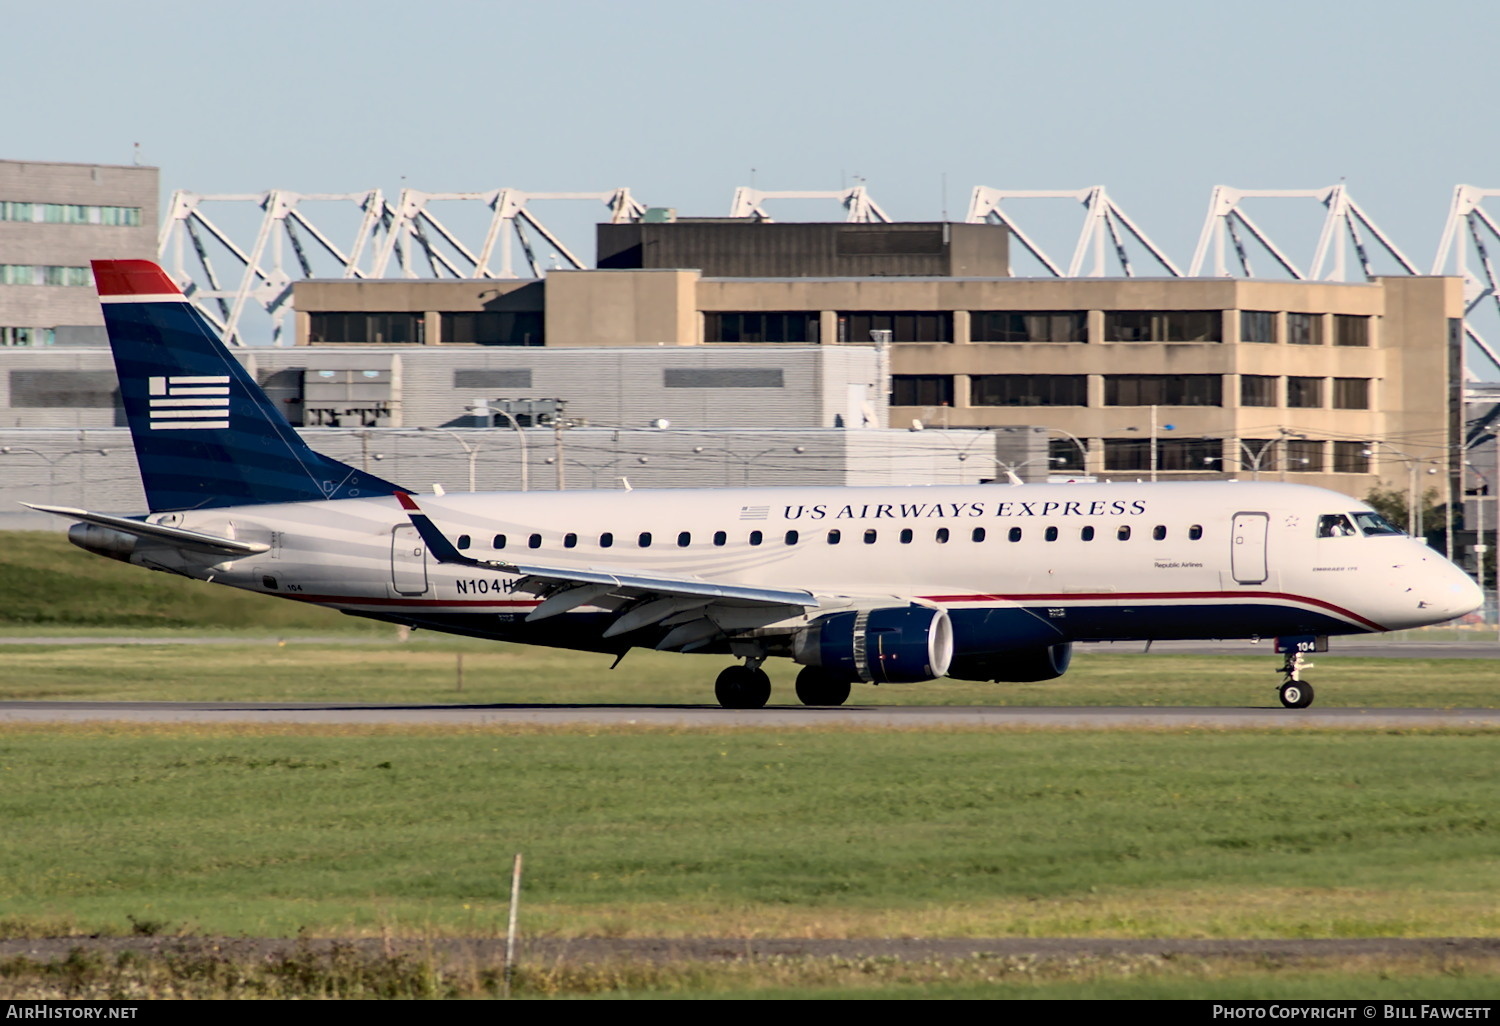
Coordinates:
781	717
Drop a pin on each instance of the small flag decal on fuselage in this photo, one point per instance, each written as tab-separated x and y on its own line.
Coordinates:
195	401
754	512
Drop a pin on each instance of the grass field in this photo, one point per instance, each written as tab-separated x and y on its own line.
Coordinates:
353	832
426	669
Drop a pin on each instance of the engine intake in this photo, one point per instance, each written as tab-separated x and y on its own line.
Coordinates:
899	644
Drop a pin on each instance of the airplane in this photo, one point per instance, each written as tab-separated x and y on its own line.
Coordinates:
990	582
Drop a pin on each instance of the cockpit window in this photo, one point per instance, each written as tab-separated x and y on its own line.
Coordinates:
1335	525
1374	523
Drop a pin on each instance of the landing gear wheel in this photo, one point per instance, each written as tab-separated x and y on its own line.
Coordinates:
1296	694
816	686
740	687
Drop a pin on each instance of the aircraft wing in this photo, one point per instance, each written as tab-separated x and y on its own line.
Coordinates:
180	537
584	584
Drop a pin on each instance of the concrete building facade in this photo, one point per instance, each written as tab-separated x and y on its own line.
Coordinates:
54	219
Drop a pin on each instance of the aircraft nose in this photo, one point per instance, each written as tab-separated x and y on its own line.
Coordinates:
1452	593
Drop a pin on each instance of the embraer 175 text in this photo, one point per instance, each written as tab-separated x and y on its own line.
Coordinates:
988	583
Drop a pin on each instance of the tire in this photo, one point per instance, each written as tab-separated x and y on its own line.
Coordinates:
816	686
740	687
1296	694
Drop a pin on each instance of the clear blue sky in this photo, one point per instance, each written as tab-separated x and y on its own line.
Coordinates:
679	99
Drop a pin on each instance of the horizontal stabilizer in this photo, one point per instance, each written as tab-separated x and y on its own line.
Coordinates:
177	536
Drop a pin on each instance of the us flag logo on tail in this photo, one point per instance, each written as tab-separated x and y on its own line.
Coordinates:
193	401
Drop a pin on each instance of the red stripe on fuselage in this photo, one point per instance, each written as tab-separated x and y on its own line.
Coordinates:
1122	596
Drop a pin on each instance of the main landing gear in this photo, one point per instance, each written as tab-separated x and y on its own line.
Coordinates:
743	687
1295	694
748	687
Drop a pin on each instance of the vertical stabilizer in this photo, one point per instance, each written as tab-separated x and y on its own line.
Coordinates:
205	434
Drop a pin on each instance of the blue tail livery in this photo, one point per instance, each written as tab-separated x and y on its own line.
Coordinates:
205	434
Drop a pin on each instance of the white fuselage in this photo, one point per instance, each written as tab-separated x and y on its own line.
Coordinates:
1096	561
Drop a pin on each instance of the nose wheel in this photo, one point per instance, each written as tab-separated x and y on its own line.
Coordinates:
1295	694
743	687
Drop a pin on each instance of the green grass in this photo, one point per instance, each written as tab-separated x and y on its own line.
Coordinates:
268	832
426	668
47	583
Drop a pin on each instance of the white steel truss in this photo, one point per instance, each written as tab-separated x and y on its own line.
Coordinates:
407	232
1466	211
1102	219
1344	218
859	207
262	275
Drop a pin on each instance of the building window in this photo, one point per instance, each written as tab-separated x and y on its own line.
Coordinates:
1164	390
367	328
1351	458
1351	330
44	274
1028	390
70	213
1046	326
1171	453
493	328
1304	329
1257	326
777	326
1303	455
1351	393
27	336
921	389
1258	389
1065	454
1304	393
1163	326
905	326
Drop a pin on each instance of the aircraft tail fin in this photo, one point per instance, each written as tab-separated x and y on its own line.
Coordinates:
205	434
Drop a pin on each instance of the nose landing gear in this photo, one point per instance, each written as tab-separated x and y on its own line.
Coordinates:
1295	694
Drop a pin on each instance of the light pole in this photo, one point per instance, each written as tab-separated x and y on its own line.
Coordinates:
468	449
1083	450
1414	524
1011	468
479	406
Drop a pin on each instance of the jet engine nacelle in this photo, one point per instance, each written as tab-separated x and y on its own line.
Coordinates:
1019	667
899	644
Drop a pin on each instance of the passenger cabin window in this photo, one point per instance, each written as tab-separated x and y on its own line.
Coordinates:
756	537
1087	534
684	539
978	534
1015	534
870	536
835	536
942	536
499	541
1195	533
1123	533
906	536
1050	534
534	542
606	540
1159	532
463	541
570	541
1374	524
644	541
1335	525
791	537
720	537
